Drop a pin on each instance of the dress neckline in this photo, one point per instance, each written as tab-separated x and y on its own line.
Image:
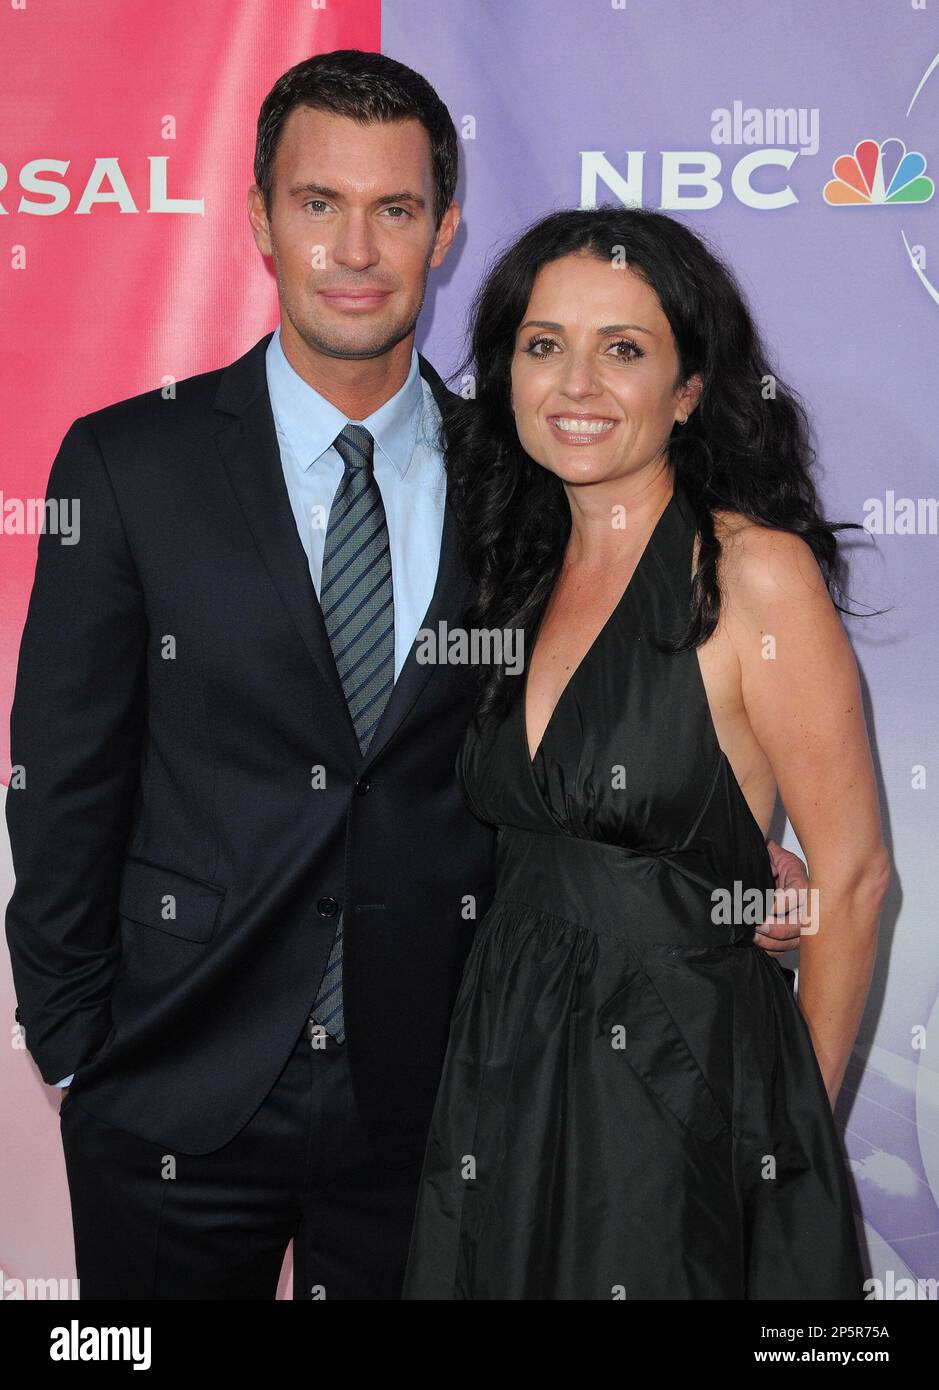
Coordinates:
647	551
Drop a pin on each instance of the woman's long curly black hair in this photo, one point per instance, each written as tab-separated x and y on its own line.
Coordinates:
745	448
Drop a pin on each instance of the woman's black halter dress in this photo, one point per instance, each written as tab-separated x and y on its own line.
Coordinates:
630	1107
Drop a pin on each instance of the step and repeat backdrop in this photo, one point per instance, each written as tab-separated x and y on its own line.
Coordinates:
802	140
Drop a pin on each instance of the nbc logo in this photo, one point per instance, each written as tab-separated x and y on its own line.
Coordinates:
879	174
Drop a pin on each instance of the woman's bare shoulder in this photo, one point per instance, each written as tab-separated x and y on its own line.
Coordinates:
764	563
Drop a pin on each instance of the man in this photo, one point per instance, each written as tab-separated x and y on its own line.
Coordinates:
246	880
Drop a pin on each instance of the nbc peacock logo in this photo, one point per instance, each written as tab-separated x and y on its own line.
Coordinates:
879	173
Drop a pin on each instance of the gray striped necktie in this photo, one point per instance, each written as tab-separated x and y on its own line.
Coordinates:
357	600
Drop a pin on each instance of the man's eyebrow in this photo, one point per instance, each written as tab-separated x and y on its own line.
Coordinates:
320	190
607	327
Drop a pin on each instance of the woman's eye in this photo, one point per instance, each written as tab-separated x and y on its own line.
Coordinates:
631	347
539	342
624	349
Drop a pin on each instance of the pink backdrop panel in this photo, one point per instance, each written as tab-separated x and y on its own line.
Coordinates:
127	149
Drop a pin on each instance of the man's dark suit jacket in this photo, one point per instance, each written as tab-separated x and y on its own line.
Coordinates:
179	869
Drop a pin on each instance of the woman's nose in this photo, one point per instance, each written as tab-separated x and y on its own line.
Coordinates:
579	377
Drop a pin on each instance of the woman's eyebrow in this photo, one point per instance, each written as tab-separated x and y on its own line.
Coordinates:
607	328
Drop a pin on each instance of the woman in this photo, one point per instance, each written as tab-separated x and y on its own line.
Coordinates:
633	1104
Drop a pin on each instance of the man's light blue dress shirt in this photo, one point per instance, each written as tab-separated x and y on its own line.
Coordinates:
409	470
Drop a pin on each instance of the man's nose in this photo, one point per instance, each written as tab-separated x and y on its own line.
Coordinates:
355	245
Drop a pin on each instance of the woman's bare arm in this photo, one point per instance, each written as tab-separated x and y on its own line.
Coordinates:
800	689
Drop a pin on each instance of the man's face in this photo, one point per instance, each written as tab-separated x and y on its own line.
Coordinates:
351	230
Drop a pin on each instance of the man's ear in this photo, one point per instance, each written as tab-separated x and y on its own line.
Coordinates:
445	233
257	216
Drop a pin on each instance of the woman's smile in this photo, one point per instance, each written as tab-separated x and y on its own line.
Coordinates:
581	429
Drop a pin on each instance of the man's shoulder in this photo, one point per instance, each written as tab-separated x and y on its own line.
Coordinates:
441	391
448	404
184	405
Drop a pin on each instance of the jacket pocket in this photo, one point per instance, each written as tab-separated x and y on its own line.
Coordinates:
169	901
656	1050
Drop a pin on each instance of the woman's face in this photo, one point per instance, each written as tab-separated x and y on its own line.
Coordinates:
593	373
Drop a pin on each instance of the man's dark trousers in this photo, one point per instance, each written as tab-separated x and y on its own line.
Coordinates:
154	1225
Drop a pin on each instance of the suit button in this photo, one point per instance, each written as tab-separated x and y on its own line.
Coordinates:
362	786
327	907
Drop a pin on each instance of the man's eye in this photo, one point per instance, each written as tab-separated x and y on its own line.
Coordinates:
396	208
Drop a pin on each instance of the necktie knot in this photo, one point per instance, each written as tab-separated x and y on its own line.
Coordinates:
355	446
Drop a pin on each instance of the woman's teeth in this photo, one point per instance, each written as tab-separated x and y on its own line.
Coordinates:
582	426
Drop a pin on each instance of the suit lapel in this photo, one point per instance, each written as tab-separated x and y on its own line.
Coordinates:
251	455
248	446
450	597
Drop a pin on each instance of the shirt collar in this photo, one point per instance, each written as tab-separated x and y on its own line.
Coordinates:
310	423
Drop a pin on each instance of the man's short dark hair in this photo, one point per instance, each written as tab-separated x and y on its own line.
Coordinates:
365	87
